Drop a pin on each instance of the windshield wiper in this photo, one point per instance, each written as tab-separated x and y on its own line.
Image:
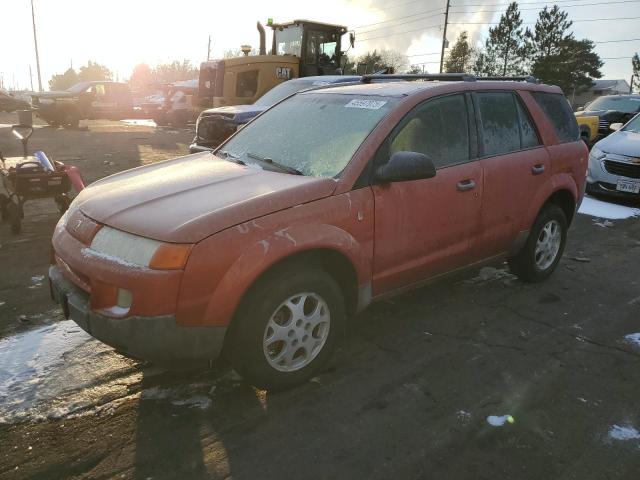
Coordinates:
270	161
229	156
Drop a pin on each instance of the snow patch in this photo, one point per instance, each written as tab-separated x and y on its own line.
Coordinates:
499	420
633	338
624	433
179	396
56	371
140	122
611	211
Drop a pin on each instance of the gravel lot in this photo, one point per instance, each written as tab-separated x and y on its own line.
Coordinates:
408	396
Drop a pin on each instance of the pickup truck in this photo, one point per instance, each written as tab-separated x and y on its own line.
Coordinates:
608	109
84	101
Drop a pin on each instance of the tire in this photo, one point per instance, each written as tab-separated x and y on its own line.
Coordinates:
15	217
71	120
54	123
271	305
538	259
63	202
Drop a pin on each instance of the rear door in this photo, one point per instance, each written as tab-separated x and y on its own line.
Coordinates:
424	227
515	165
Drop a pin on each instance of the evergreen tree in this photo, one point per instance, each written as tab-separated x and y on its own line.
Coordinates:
64	81
93	71
460	56
557	57
552	28
506	42
572	68
635	64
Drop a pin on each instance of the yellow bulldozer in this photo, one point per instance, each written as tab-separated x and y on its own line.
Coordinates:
300	48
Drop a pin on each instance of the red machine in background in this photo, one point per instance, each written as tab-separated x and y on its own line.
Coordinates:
30	177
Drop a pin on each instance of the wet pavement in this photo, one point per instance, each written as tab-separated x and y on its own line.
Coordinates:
478	376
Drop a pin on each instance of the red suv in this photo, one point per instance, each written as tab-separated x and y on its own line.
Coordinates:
327	201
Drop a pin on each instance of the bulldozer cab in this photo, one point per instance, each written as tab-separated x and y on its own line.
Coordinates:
300	49
317	45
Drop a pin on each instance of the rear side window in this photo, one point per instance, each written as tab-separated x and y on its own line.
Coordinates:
438	128
559	112
499	123
528	135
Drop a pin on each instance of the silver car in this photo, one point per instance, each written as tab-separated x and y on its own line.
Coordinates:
614	162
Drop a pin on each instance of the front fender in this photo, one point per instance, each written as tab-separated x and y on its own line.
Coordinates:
271	250
223	267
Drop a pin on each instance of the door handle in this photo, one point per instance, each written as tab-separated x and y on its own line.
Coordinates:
465	185
537	169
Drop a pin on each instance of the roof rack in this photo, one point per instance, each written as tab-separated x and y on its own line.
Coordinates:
523	78
442	77
446	77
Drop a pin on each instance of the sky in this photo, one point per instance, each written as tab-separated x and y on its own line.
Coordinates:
123	33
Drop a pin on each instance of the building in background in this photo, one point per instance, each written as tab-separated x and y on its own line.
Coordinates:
600	88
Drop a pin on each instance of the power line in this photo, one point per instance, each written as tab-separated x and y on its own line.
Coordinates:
563	6
533	23
439	25
400	18
519	3
402	23
423	54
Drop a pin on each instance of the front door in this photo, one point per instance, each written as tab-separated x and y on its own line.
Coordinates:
425	227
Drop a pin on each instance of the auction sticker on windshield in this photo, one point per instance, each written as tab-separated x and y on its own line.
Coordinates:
366	104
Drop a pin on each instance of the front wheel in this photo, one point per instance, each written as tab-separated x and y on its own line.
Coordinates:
543	249
287	328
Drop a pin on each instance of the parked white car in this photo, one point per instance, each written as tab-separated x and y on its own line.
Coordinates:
614	162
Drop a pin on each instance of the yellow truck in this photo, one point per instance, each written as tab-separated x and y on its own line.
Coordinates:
588	128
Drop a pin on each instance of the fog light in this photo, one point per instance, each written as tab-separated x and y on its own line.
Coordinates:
125	297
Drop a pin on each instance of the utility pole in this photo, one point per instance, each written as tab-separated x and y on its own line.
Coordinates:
35	42
444	35
209	49
31	77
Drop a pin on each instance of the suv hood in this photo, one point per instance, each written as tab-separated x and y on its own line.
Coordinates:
235	112
621	143
190	198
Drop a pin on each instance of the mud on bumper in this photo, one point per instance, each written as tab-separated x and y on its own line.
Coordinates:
158	339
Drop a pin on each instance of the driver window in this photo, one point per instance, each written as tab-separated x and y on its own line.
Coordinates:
438	128
321	48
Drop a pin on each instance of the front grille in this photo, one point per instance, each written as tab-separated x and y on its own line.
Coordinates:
630	170
603	125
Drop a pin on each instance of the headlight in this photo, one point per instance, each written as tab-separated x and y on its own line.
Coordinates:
596	153
123	247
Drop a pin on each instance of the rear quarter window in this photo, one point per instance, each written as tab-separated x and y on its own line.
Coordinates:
559	113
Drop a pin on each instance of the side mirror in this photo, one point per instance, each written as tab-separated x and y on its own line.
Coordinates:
580	109
405	166
616	126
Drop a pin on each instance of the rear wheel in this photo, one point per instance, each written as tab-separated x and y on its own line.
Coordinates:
71	119
544	246
287	328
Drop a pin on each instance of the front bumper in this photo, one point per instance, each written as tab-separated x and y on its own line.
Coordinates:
158	339
601	181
